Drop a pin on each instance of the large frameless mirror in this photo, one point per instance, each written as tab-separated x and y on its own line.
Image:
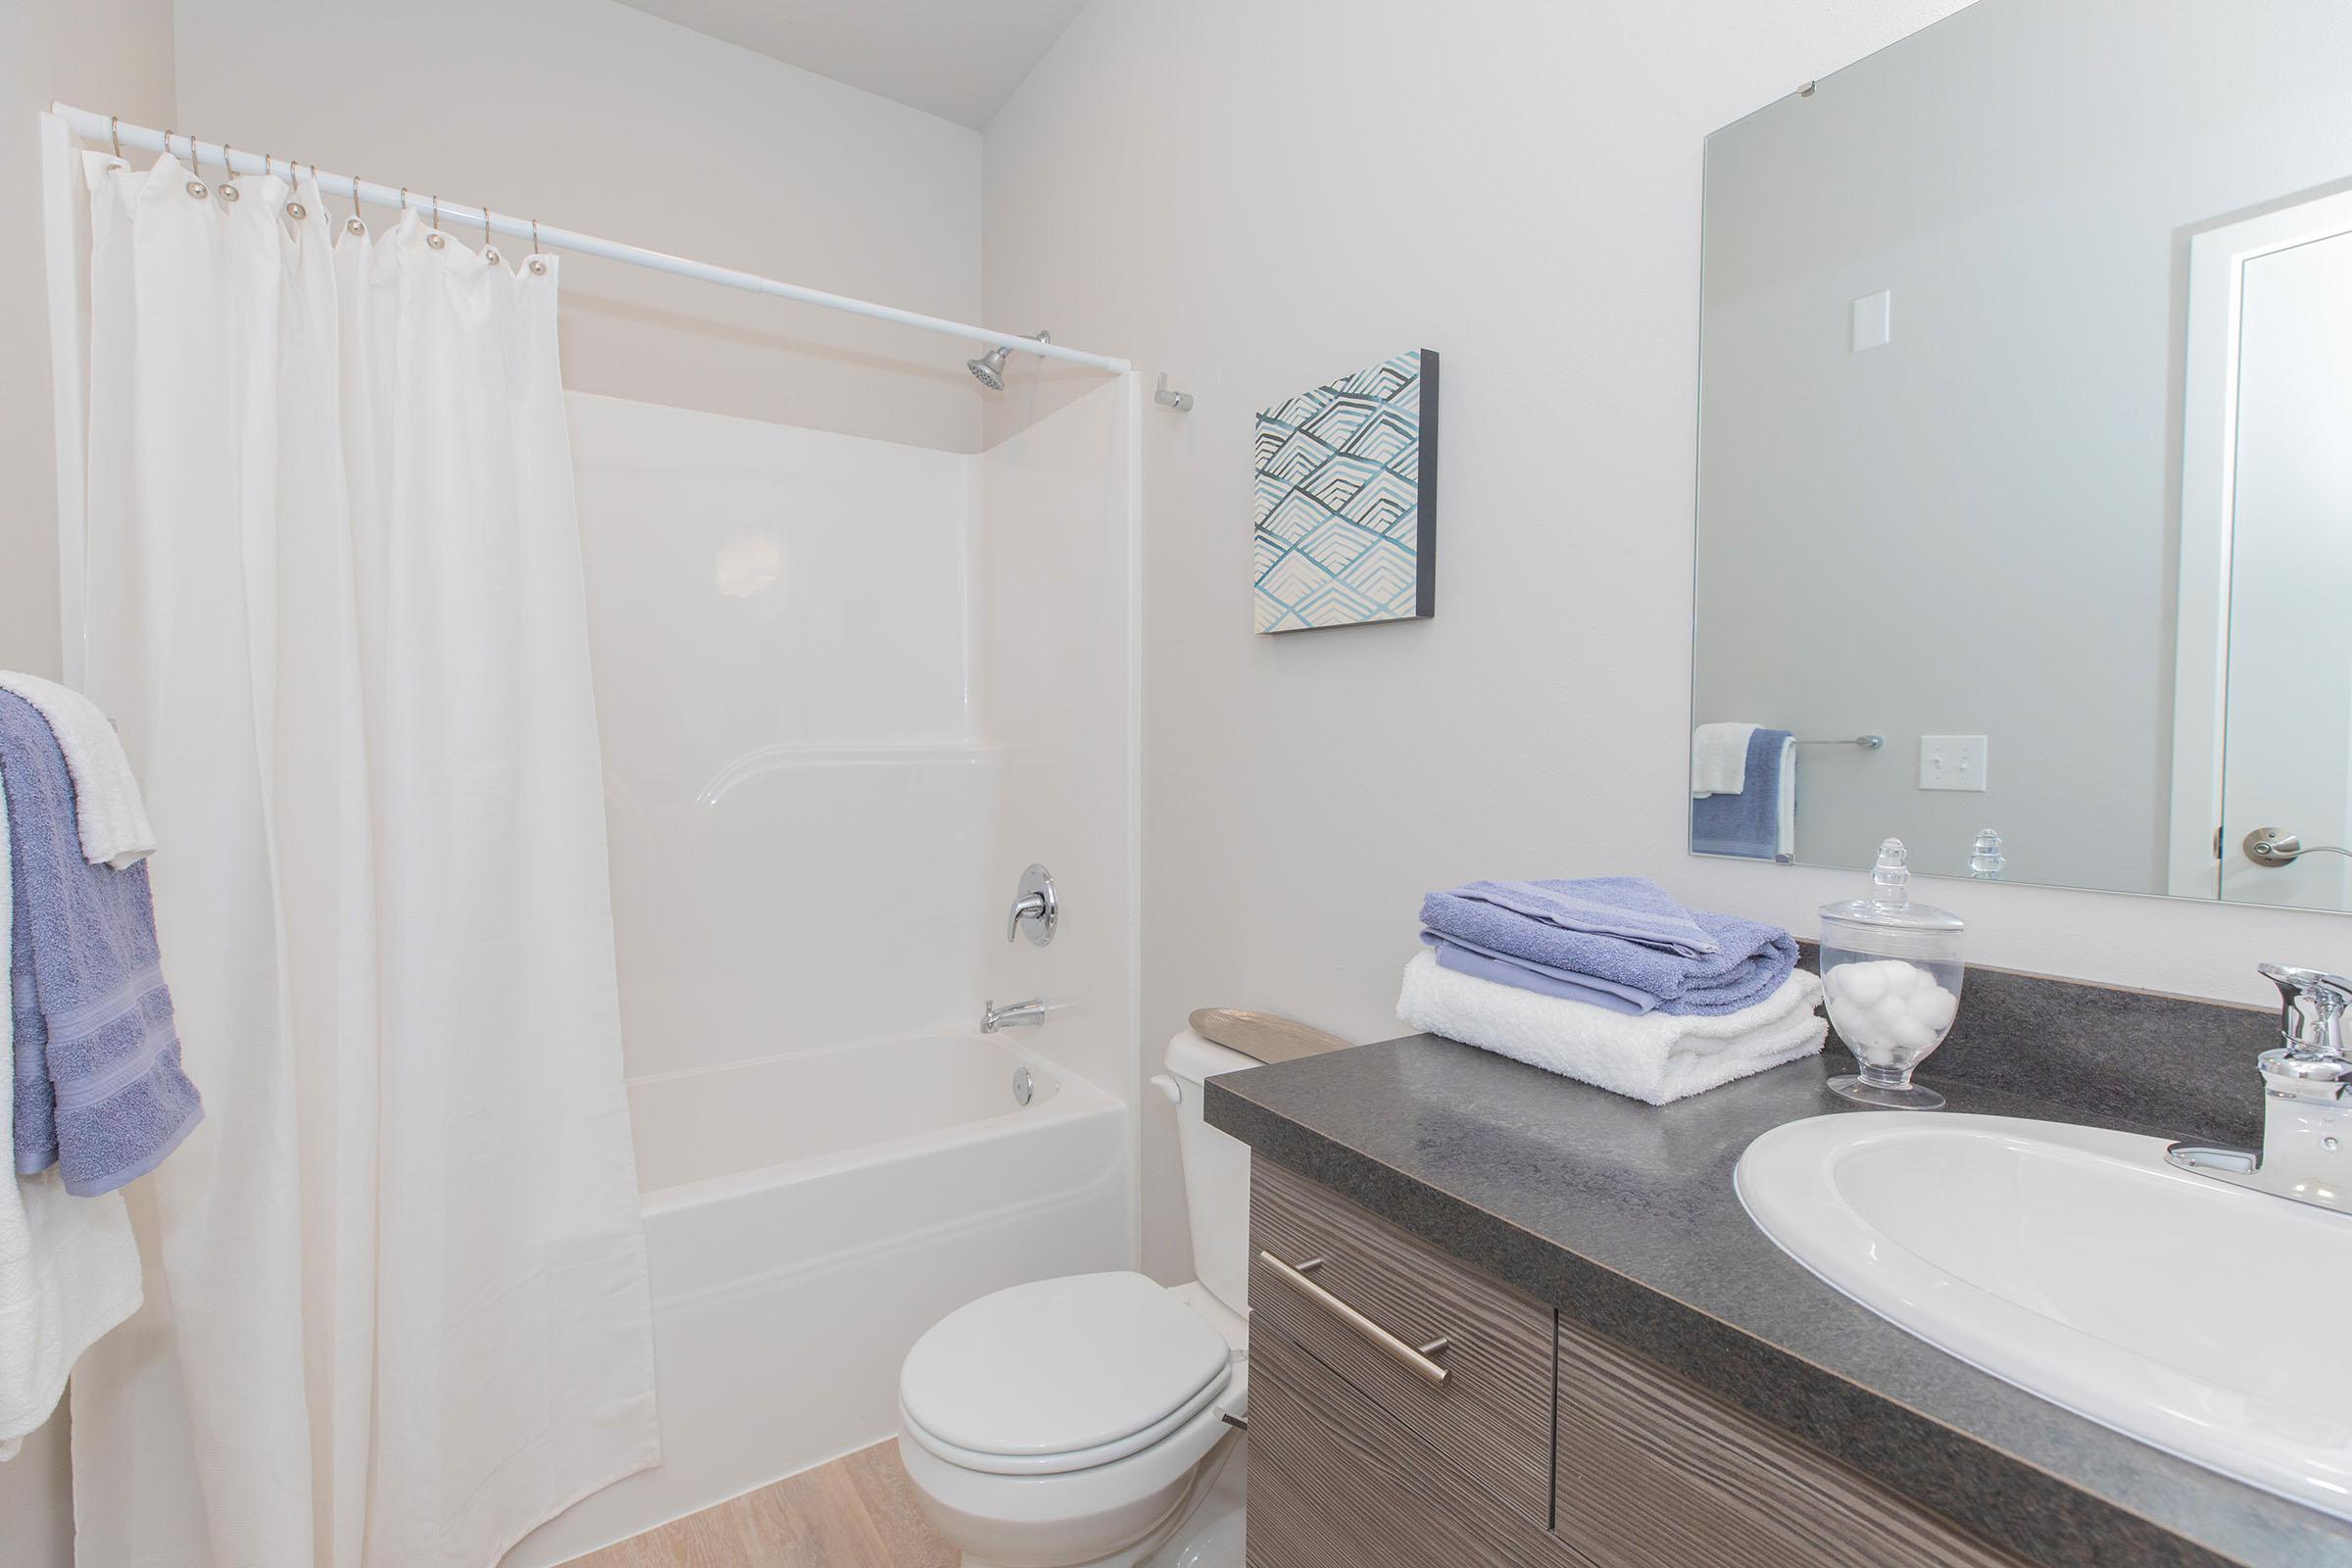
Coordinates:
2025	502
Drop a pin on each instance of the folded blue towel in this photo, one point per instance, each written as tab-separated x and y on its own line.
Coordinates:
99	1088
1747	823
1463	959
1631	908
1733	962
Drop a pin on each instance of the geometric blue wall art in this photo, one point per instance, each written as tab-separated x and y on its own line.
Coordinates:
1346	500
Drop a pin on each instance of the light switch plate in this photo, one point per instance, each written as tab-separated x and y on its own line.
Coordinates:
1873	321
1951	762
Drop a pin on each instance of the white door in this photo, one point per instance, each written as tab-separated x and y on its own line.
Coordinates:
2286	752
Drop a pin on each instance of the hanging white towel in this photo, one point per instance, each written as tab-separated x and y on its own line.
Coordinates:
1719	759
108	810
1656	1057
68	1266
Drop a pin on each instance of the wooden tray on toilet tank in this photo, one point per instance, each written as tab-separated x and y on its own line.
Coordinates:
1268	1036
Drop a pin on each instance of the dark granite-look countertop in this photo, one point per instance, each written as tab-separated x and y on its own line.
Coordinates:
1624	1216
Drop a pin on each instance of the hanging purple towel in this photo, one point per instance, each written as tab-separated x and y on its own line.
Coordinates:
99	1088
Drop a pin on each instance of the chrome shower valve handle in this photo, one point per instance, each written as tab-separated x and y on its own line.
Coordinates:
1035	905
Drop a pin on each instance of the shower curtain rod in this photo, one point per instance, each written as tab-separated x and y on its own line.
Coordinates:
101	130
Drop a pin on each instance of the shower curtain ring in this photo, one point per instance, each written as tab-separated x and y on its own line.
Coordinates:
489	245
434	240
538	261
195	186
355	223
114	128
229	173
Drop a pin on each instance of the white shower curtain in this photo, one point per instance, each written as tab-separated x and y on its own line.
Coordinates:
397	1307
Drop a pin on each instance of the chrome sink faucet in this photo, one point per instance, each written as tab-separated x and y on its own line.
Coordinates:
2307	1100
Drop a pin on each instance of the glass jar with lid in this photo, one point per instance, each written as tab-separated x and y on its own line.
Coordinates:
1891	973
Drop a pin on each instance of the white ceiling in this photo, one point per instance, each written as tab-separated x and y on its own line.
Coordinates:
958	59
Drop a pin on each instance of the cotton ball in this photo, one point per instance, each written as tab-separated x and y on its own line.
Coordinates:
1891	1009
1905	978
1858	1029
1935	1007
1858	983
1909	1034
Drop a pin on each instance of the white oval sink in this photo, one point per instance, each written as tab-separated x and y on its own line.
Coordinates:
2073	1263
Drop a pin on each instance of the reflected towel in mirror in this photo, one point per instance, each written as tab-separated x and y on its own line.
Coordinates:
1760	821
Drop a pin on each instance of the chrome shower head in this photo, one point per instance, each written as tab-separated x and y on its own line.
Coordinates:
989	368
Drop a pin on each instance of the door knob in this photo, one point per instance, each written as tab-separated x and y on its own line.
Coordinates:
2275	847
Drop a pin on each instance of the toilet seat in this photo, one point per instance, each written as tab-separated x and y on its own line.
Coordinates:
1062	1375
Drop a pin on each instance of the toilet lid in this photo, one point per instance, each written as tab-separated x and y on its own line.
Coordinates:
1061	1373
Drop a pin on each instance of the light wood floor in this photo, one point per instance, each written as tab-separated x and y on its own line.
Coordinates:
857	1512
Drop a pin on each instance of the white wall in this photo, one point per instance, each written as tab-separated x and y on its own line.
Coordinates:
1971	531
115	52
1255	197
591	114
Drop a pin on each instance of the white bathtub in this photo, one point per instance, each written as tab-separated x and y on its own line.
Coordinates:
808	1216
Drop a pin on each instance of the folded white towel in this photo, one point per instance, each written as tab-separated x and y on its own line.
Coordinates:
106	807
1719	759
1656	1057
68	1266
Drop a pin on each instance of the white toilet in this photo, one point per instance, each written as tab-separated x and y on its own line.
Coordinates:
1082	1422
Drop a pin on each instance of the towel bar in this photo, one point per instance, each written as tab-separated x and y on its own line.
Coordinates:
1868	742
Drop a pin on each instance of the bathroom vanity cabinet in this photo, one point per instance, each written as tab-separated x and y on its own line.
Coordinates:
1542	1443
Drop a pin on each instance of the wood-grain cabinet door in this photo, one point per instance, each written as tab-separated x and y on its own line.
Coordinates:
1336	1482
1655	1473
1492	1414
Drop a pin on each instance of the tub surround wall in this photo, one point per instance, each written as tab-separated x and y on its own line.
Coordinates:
797	792
848	689
1058	699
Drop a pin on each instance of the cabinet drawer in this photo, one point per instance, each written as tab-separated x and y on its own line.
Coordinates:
1655	1473
1334	1479
1375	1297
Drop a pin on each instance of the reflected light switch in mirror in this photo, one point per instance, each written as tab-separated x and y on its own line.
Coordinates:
1951	762
1873	321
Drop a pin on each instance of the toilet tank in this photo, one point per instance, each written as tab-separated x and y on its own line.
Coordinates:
1216	1172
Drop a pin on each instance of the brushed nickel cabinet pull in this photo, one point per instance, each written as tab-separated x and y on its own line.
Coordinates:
1416	1360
